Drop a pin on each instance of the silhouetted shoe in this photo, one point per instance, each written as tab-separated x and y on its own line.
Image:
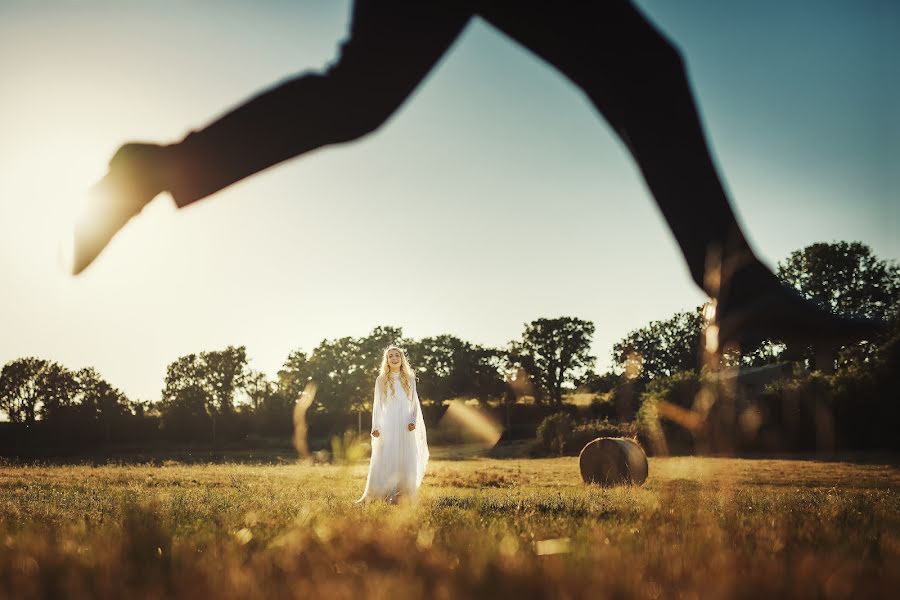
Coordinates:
135	177
757	306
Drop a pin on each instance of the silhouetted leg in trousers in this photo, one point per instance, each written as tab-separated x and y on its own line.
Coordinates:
632	74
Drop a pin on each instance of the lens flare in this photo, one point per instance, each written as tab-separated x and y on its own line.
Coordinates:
634	364
552	546
712	339
687	418
709	311
474	421
712	273
300	428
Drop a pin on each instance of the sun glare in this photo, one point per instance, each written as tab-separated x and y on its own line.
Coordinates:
40	194
474	421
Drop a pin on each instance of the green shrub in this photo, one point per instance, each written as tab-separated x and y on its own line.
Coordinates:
659	435
603	406
560	435
553	432
587	432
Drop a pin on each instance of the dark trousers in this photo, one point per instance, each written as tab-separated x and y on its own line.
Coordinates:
631	73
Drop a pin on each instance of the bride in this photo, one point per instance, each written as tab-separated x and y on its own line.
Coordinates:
399	445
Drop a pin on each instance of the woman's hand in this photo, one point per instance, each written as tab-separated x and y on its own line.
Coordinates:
411	426
375	433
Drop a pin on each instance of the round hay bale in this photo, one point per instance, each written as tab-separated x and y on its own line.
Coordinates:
613	461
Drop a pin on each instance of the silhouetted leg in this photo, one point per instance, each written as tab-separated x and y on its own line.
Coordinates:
636	78
391	47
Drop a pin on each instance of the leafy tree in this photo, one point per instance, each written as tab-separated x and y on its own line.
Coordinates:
19	394
846	277
259	388
449	367
294	375
203	386
58	389
340	379
143	408
33	387
661	348
483	368
434	360
225	372
274	413
98	401
558	350
599	383
186	407
184	373
371	348
344	369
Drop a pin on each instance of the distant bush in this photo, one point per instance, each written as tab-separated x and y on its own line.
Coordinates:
553	432
603	406
587	432
560	435
661	435
856	408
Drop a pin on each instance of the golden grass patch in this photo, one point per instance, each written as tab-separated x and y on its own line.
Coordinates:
704	527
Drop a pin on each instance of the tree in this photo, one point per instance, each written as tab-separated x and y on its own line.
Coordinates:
434	361
661	348
449	367
845	277
371	348
483	368
225	372
98	401
848	279
19	395
558	350
344	369
341	381
58	389
294	375
201	386
599	383
185	405
258	388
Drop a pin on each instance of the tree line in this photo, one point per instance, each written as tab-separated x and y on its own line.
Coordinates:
846	277
215	395
208	395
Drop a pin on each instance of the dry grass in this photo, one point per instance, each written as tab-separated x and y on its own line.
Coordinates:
699	527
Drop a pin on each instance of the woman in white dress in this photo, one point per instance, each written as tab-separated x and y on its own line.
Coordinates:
399	445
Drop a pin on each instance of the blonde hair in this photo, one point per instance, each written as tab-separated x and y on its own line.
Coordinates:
406	374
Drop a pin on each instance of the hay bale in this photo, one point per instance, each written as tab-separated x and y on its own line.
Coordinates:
613	461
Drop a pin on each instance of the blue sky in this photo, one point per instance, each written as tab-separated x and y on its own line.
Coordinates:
495	196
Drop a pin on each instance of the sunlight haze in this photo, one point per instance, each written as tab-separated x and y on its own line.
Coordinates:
496	195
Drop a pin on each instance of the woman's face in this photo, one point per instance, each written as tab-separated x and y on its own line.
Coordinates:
394	359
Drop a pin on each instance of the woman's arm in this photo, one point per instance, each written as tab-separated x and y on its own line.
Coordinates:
376	409
413	413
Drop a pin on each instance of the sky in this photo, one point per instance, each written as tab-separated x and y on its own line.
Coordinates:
496	195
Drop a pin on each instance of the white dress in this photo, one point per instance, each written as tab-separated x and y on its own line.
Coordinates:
399	455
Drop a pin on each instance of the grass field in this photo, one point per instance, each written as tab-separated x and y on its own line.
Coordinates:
518	528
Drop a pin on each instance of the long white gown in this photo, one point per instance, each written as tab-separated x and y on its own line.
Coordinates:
399	456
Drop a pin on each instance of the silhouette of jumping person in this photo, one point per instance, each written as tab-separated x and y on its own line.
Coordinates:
630	72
